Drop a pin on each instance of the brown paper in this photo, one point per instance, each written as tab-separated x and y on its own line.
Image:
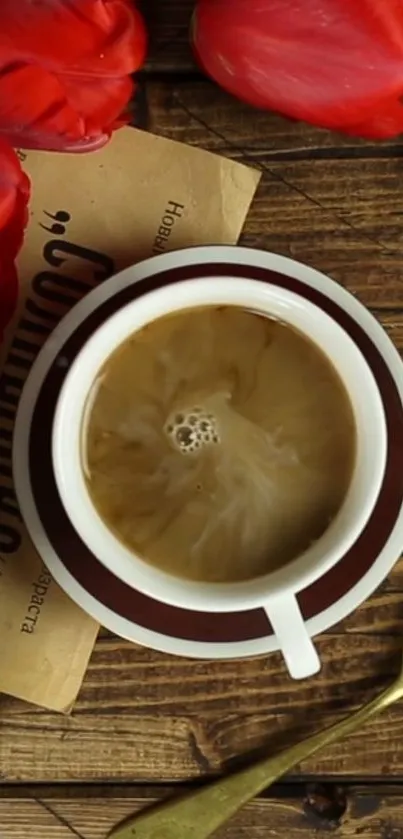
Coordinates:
91	215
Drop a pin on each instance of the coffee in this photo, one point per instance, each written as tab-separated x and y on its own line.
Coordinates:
218	444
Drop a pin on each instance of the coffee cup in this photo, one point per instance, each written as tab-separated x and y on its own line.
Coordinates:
277	591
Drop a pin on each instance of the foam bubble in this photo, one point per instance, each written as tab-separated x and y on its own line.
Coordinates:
192	429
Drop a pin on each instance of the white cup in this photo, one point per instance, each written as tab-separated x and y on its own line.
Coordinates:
275	592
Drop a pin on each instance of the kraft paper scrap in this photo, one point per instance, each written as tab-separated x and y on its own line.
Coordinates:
98	213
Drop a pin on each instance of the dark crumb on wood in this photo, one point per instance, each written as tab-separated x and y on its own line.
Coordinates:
325	805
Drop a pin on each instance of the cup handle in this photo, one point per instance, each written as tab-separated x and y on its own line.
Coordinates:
290	629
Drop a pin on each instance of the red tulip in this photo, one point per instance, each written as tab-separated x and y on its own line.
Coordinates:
14	195
65	70
335	63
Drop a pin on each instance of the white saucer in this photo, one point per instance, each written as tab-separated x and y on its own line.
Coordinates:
129	613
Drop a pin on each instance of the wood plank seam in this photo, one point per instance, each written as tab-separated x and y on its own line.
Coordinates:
374	811
278	177
61	820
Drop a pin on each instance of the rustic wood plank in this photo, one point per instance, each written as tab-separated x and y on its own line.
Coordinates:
375	812
146	716
341	214
335	203
178	105
168	26
395	579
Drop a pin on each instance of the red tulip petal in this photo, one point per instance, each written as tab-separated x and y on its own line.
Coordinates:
35	112
14	195
336	63
384	121
97	37
31	97
64	70
101	102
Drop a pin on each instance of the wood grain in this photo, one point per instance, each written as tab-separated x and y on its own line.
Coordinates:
336	203
142	715
375	812
168	26
324	199
178	104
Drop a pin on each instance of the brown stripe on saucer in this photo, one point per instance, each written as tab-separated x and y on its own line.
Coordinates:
181	623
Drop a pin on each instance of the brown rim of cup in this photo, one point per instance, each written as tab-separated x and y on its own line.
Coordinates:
181	623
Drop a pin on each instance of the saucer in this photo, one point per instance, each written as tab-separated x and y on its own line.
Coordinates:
121	608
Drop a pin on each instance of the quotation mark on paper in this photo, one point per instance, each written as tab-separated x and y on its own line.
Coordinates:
62	217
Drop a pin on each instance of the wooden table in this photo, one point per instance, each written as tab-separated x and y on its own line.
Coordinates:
145	723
